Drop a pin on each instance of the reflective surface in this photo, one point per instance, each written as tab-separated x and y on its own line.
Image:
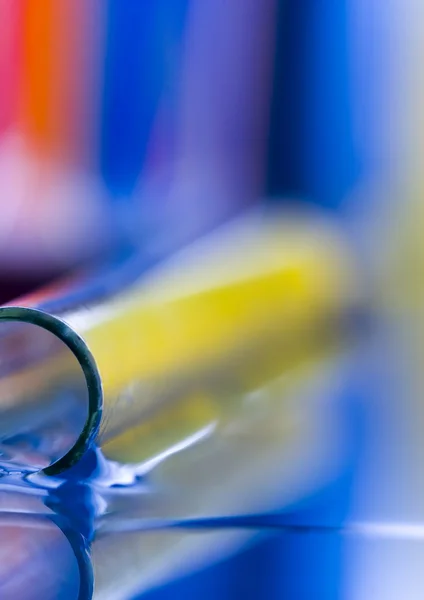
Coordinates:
294	562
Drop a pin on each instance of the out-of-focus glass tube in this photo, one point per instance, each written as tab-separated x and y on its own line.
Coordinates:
182	353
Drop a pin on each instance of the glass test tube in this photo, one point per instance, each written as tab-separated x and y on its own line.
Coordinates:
182	354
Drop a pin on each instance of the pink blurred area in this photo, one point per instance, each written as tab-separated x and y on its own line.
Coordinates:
51	214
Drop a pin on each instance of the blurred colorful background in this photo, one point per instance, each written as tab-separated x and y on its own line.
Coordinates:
118	120
131	129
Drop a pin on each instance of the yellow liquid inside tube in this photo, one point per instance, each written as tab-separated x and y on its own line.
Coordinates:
225	316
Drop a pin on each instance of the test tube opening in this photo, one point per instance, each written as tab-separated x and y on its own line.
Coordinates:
50	392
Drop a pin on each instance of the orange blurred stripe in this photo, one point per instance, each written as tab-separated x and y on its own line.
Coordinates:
60	51
38	23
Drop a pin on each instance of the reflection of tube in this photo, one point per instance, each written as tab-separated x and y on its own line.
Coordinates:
41	555
221	317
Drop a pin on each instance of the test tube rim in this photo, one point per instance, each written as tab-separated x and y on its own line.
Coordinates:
82	353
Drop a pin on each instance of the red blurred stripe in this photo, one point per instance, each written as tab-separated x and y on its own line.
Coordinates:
10	60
